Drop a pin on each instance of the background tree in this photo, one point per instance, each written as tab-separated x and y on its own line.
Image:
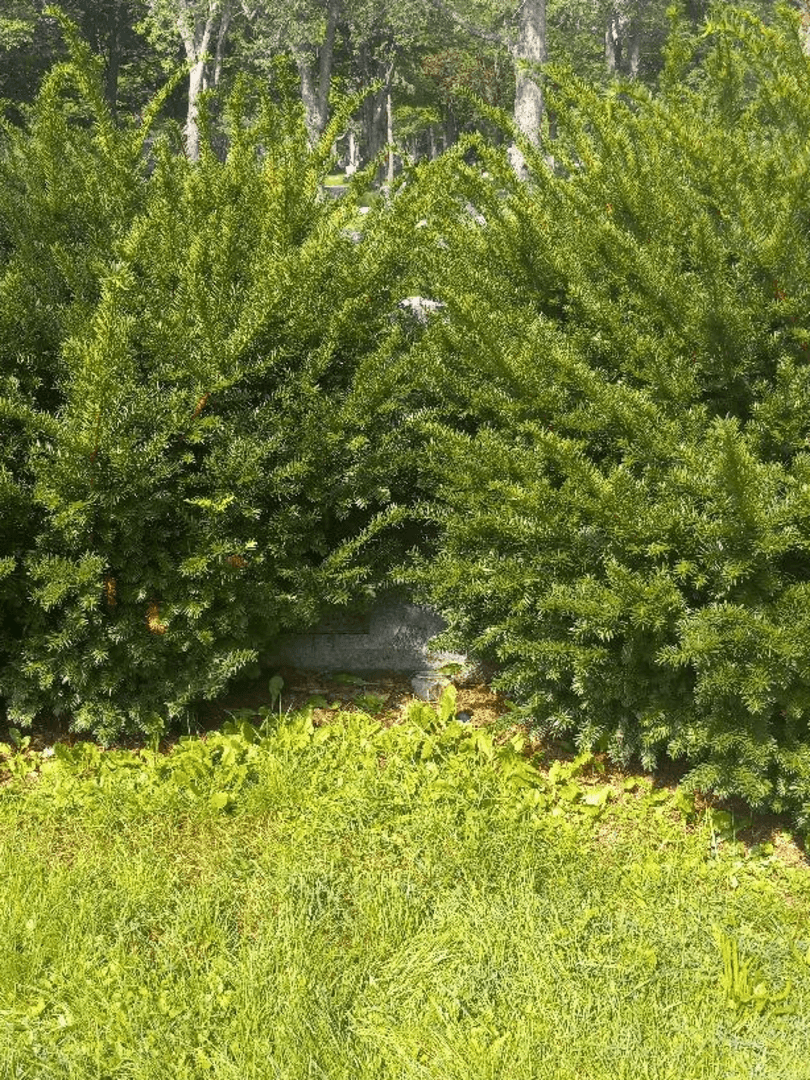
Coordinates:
310	32
520	29
31	42
202	27
600	39
386	43
17	24
109	27
477	68
419	52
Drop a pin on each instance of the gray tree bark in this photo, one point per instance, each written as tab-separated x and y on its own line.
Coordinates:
196	79
373	114
389	130
635	53
528	51
113	51
623	41
354	154
612	43
316	78
224	24
196	31
375	106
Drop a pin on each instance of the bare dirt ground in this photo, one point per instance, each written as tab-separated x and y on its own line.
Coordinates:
483	705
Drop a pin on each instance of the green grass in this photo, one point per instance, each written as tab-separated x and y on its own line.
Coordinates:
354	901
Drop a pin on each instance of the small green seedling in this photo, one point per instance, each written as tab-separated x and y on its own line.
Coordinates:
370	703
344	679
241	715
684	802
275	686
763	851
447	704
221	800
722	826
742	985
21	742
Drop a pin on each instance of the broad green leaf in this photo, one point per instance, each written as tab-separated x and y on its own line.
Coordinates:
275	686
447	704
598	797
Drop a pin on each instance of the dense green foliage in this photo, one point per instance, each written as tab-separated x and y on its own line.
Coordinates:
623	493
363	902
213	410
181	446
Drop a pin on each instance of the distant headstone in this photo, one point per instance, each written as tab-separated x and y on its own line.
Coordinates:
420	307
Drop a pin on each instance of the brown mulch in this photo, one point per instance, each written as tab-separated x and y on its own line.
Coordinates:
483	705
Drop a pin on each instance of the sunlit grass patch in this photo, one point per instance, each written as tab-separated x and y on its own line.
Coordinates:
358	901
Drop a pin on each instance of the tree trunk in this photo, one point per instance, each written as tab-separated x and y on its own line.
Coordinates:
623	43
375	110
315	85
528	51
196	33
224	23
389	131
310	96
613	43
635	52
196	81
449	129
113	51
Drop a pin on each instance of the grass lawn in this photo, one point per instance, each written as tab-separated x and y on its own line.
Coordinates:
424	900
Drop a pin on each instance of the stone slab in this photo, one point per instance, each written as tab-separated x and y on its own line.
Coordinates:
389	635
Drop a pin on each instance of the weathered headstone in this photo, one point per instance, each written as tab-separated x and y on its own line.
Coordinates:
389	635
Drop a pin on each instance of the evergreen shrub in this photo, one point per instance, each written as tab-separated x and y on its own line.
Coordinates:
184	439
621	463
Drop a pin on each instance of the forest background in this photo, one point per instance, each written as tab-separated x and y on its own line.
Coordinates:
414	56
